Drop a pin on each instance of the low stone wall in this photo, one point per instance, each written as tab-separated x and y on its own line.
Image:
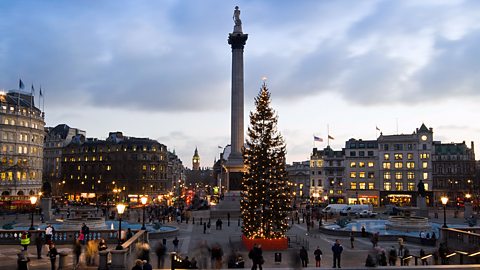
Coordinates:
60	237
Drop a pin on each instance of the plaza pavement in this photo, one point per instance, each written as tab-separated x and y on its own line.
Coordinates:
229	238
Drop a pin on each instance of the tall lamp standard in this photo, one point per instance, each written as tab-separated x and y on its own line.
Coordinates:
444	200
33	201
143	200
120	210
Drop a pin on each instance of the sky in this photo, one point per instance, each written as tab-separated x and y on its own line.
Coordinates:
162	69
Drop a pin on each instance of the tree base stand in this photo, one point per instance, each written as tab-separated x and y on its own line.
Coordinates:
267	244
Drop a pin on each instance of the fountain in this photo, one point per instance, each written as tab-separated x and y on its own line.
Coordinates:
407	222
82	216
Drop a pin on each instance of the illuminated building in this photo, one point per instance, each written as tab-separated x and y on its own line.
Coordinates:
21	144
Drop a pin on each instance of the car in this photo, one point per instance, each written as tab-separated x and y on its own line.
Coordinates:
366	214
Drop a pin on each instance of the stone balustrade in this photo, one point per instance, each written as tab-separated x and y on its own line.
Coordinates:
123	259
60	237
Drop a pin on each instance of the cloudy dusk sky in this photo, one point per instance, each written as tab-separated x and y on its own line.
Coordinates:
161	69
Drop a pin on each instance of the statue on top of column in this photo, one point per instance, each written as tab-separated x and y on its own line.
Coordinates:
421	188
236	19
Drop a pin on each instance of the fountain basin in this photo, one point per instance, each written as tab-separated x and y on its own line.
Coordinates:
408	224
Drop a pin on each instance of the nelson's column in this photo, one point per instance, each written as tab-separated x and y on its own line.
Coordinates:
234	164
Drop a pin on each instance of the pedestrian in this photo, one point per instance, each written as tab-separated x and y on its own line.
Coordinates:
81	237
337	252
217	255
160	250
256	256
318	257
102	245
77	251
25	240
406	256
22	260
364	233
392	256
352	239
204	228
175	244
129	233
304	256
374	239
422	254
39	245
86	231
219	224
383	259
52	254
138	265
209	224
147	265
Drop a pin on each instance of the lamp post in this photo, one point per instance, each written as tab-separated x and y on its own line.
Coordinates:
33	201
444	200
143	200
120	210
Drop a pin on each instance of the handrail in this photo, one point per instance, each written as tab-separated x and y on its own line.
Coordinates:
133	239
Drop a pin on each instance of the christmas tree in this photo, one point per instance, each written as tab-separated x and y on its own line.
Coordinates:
266	191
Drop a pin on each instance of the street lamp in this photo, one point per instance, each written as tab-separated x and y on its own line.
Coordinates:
143	199
444	200
33	201
120	210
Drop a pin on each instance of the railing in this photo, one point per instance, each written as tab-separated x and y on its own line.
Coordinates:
124	258
464	244
60	237
300	241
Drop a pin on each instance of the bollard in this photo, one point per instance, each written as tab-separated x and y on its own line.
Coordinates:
103	260
62	262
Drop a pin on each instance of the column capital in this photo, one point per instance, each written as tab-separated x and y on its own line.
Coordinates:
237	40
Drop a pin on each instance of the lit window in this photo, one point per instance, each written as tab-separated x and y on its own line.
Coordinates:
371	175
361	174
353	174
362	185
144	167
153	168
425	156
410	175
352	165
411	165
312	163
398	156
424	164
399	186
426	186
361	164
410	156
371	185
386	156
387	186
319	163
370	164
387	176
330	191
79	168
398	175
353	185
398	165
425	175
386	165
109	168
411	186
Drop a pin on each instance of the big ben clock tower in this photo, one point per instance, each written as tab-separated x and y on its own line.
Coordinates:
196	161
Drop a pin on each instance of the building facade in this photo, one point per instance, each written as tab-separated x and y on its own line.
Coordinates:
454	171
327	183
362	172
56	139
299	176
21	144
405	161
118	167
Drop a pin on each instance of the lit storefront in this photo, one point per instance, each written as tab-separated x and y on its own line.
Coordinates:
364	197
403	198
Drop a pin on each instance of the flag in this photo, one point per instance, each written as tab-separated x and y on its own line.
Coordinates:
330	137
317	139
41	94
220	147
21	85
377	128
33	90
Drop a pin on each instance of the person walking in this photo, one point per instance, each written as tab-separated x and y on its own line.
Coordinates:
318	257
175	244
422	254
22	260
304	256
77	251
25	240
52	254
256	256
160	250
337	253
48	234
352	239
392	256
39	245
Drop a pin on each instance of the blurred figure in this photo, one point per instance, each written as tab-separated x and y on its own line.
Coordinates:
22	260
39	245
77	251
304	257
160	250
318	257
52	254
337	250
203	251
138	265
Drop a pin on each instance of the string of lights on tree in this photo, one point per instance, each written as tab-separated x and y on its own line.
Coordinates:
266	191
